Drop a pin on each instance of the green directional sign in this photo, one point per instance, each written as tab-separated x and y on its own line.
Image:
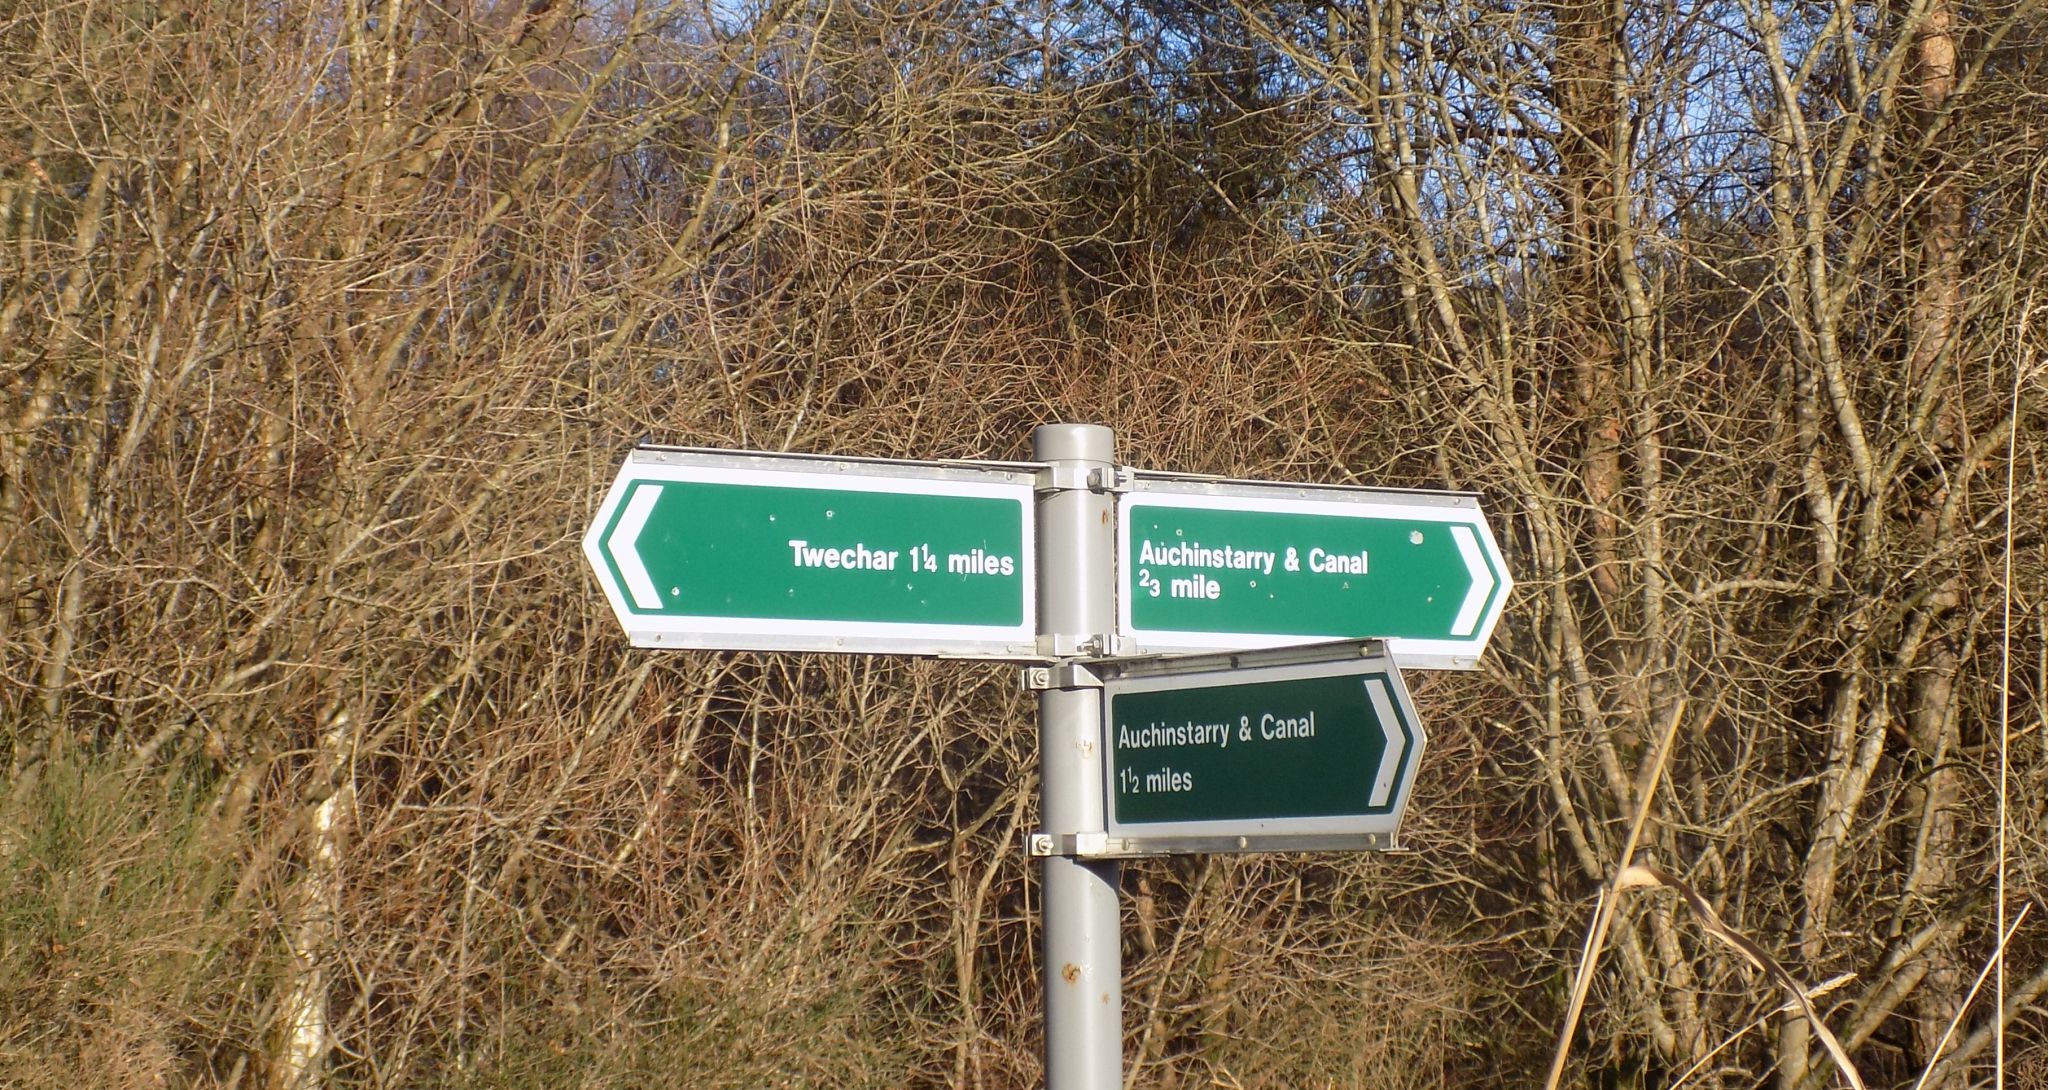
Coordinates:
1216	755
778	552
1240	565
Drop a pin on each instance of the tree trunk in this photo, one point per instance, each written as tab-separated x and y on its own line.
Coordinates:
1936	318
308	1031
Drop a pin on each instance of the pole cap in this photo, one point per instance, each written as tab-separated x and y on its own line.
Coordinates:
1073	442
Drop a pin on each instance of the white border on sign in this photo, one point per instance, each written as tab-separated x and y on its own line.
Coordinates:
781	634
1456	654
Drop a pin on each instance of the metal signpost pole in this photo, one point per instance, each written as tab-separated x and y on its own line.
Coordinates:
1082	959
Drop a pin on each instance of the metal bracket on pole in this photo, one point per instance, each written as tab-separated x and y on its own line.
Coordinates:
1060	477
1072	845
1060	675
1060	645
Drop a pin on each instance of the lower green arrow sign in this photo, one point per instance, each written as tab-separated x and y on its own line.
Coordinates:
1296	754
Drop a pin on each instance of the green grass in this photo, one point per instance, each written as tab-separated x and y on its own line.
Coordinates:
124	959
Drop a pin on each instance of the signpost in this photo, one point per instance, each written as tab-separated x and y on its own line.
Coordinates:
1291	747
1208	565
1303	749
796	553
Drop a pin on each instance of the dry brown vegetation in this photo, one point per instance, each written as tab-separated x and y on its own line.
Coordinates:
323	325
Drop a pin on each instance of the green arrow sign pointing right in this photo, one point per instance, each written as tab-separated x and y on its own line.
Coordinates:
1240	565
1297	748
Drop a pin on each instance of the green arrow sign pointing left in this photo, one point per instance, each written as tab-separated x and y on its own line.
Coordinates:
786	552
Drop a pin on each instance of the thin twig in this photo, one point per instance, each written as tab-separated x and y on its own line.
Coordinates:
1998	1016
1603	913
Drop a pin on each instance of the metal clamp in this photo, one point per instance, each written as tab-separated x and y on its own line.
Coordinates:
1060	675
1063	645
1066	477
1075	845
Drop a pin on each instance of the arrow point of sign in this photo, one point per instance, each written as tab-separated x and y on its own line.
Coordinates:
624	547
1482	581
1384	785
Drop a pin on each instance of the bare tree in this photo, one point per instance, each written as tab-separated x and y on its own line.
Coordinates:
321	328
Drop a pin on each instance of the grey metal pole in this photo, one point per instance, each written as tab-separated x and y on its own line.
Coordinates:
1082	945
